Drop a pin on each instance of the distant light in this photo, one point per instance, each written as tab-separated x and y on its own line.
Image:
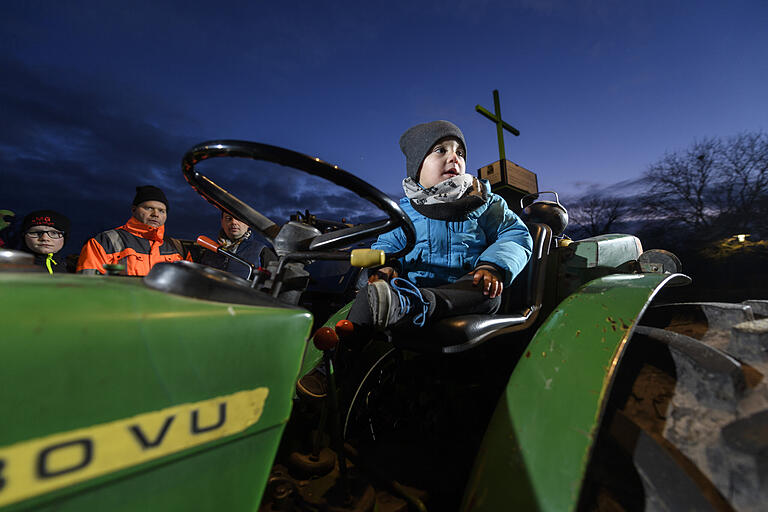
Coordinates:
317	159
335	166
741	238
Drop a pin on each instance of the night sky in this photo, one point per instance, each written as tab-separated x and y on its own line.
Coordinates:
98	97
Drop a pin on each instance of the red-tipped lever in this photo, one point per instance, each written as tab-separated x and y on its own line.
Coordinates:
344	329
207	243
326	339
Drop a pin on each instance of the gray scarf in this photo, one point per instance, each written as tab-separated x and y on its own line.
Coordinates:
452	199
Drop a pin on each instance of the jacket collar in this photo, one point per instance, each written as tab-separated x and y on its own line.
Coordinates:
145	231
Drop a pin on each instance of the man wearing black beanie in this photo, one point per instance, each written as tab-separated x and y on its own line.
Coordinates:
146	208
138	244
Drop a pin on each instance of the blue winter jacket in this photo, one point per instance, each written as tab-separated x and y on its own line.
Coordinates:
446	250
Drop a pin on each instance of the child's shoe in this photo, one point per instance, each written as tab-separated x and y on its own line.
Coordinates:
396	301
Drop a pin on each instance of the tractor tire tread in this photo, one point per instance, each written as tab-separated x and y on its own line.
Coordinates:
695	375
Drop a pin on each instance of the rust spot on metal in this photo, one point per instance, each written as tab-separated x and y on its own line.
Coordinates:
602	340
610	320
543	354
528	354
623	324
613	326
578	332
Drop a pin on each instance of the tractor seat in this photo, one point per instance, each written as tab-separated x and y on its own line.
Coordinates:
521	303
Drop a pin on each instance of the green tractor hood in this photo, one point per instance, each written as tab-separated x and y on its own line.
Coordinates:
114	395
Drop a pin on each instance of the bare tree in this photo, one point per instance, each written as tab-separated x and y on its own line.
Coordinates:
596	215
713	188
745	180
680	185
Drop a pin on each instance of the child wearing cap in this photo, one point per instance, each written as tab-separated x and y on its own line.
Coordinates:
469	244
45	232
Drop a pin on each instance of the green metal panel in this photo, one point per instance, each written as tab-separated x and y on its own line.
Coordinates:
82	351
535	452
607	251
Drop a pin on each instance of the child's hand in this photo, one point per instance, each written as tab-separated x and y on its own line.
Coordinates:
492	285
385	273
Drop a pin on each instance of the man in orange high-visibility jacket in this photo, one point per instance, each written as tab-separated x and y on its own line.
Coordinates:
139	244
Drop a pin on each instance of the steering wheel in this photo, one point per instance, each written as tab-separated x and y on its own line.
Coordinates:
325	242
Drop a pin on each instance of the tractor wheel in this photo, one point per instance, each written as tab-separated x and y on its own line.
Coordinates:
686	427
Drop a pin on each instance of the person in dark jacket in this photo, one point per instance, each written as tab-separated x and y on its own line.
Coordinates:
45	233
234	236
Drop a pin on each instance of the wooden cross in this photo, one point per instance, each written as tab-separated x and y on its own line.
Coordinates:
500	124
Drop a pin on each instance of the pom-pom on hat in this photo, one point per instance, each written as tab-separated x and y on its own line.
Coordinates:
418	140
149	193
50	218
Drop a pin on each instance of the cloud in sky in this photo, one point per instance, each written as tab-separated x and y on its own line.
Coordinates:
623	188
74	150
82	153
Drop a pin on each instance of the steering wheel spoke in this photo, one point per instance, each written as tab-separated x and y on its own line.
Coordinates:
347	236
234	206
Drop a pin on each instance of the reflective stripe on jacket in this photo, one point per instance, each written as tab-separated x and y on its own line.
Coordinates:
134	244
446	250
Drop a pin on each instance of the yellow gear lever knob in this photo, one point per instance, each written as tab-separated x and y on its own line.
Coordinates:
366	258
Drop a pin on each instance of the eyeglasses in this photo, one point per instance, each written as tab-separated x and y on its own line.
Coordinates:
53	235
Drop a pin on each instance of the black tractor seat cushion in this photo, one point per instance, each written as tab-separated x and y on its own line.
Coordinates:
461	333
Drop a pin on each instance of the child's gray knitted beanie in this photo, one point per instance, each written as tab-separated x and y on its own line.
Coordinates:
418	140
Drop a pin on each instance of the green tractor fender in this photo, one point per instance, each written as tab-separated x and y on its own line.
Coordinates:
535	452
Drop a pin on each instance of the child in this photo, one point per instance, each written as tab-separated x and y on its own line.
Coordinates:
469	244
45	233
